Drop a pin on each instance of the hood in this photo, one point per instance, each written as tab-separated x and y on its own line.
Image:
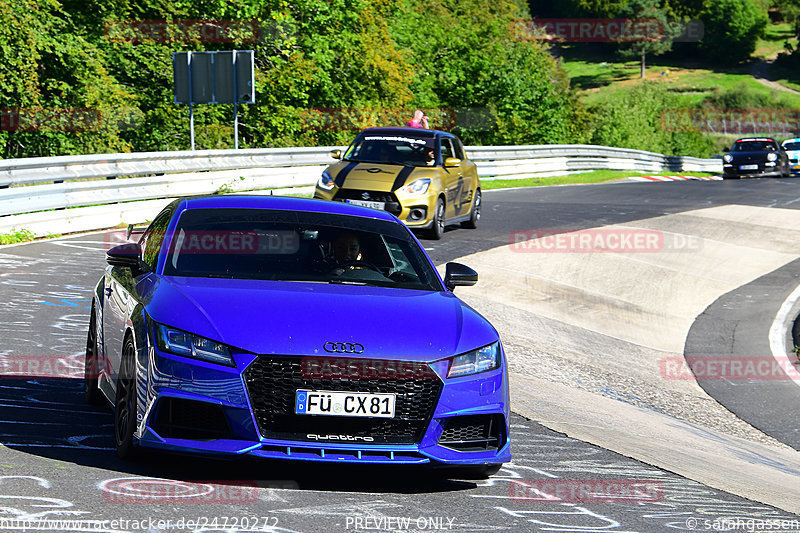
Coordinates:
292	318
375	176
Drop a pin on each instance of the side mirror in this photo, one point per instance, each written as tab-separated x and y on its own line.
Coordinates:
726	149
458	275
336	154
126	255
452	162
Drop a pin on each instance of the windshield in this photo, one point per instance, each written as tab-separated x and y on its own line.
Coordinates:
297	246
395	149
792	146
753	146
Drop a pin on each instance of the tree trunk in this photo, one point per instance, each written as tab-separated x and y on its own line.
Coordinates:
642	72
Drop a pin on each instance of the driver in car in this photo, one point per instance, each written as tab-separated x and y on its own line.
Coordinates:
346	252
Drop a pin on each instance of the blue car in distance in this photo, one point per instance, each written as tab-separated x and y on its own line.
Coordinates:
296	329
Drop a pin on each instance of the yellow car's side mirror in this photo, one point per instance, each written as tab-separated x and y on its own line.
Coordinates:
336	154
452	162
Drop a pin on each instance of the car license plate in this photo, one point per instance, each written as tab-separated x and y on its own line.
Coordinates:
366	203
333	403
748	167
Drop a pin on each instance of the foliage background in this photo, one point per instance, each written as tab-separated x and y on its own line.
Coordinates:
327	68
363	62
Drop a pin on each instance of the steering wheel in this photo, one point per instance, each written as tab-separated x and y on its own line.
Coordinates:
359	263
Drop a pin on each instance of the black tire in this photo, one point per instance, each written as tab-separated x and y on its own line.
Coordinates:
125	404
91	366
437	224
475	214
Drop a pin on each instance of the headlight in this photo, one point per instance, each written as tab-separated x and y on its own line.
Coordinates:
476	361
727	158
179	342
772	157
419	186
325	181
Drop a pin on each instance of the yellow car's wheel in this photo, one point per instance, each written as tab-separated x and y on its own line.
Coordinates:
475	214
437	225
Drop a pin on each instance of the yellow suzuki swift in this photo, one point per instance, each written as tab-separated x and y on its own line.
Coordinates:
421	176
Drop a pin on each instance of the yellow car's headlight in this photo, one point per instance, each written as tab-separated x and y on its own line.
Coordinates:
476	361
325	181
419	186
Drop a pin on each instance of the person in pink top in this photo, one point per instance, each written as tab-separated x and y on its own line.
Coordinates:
419	120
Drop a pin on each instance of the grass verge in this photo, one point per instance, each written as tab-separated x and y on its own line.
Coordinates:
597	176
22	235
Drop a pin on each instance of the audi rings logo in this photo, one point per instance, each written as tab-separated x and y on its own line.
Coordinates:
343	347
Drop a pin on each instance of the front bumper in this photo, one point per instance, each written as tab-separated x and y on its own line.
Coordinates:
414	211
733	171
194	407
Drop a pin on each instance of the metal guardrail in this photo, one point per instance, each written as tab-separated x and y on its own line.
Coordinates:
33	185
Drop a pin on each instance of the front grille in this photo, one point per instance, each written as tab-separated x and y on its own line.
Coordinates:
176	418
392	205
473	433
272	382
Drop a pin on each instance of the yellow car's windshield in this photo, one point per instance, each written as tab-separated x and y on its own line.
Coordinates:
394	149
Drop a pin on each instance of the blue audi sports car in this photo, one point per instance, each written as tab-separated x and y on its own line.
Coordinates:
299	329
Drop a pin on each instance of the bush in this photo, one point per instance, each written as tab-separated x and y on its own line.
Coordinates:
743	97
637	118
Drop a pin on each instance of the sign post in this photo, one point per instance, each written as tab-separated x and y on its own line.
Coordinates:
214	78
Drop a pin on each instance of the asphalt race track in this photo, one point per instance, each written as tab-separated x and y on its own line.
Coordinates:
60	473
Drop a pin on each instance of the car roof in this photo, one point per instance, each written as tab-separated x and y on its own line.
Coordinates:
793	140
283	203
419	132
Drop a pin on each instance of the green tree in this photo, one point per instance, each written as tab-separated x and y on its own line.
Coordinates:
656	38
732	30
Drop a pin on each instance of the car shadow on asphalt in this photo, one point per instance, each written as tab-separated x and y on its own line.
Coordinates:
50	418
